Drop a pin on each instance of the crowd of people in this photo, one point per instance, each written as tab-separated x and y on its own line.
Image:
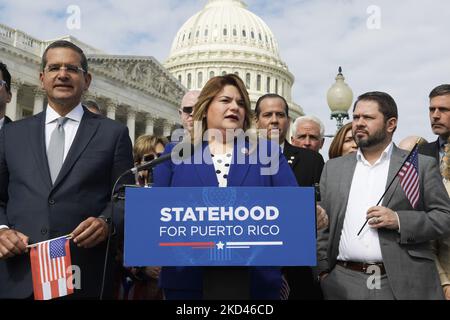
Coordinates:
57	171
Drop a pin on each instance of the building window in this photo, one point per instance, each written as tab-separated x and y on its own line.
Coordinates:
258	82
179	78
259	35
252	34
268	85
224	73
244	34
189	35
189	81
197	34
183	37
200	80
234	32
206	32
211	74
236	73
247	80
276	86
225	31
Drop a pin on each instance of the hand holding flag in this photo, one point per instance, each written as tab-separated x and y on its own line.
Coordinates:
50	262
408	174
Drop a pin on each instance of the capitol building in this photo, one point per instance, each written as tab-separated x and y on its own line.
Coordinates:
224	37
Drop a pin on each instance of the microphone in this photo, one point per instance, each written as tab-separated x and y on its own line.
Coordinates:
178	153
150	164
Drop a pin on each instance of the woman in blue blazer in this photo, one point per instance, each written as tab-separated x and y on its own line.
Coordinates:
222	111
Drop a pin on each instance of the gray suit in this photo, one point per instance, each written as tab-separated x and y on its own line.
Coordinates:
407	255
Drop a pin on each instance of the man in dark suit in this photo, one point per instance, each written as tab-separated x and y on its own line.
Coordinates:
5	93
272	114
56	174
440	121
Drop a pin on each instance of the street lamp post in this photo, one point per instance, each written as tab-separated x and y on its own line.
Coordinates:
339	98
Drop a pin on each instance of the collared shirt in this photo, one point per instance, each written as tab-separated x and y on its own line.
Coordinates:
368	185
2	122
70	127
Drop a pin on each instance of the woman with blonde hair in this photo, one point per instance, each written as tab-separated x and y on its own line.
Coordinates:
343	143
147	148
221	115
442	247
140	283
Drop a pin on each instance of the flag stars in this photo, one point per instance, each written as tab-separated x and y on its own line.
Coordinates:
220	245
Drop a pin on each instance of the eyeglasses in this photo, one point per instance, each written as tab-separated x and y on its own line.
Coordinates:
187	110
69	68
3	84
150	157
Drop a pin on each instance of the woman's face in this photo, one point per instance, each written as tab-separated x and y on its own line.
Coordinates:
227	110
349	145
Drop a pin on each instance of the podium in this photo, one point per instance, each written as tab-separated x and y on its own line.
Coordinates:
225	231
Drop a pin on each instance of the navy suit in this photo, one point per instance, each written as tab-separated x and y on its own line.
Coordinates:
431	149
30	204
265	281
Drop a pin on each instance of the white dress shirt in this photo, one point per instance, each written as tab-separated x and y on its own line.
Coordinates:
368	185
70	129
2	122
70	126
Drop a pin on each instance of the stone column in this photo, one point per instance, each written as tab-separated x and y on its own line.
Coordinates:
39	96
131	124
167	125
111	110
149	124
11	108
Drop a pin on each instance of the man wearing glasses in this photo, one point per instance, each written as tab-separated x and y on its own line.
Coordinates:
57	170
5	93
187	108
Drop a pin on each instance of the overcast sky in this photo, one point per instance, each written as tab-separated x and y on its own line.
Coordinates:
406	52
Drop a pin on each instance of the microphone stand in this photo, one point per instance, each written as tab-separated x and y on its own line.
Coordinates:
114	196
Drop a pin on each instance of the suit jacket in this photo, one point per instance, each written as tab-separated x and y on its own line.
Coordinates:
430	149
265	281
7	120
407	254
100	152
306	164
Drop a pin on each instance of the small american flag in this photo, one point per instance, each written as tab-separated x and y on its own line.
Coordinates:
49	267
409	177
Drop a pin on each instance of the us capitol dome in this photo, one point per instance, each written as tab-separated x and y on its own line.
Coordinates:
225	37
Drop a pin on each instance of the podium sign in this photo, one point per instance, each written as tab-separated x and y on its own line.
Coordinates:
233	226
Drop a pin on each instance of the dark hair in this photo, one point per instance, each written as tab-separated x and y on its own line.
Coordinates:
6	76
270	95
65	44
386	104
442	90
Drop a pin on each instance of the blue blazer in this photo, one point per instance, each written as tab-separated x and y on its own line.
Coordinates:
265	281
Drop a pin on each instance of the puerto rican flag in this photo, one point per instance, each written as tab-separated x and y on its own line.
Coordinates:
50	261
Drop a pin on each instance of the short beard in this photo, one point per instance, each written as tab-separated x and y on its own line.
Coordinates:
377	138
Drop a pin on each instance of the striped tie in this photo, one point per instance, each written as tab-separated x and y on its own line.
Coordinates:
285	289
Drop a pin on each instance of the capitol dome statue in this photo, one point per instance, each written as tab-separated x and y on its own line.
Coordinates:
224	38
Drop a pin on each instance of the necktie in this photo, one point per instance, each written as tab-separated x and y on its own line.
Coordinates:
55	152
445	163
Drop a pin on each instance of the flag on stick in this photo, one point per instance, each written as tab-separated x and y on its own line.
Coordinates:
50	261
409	177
